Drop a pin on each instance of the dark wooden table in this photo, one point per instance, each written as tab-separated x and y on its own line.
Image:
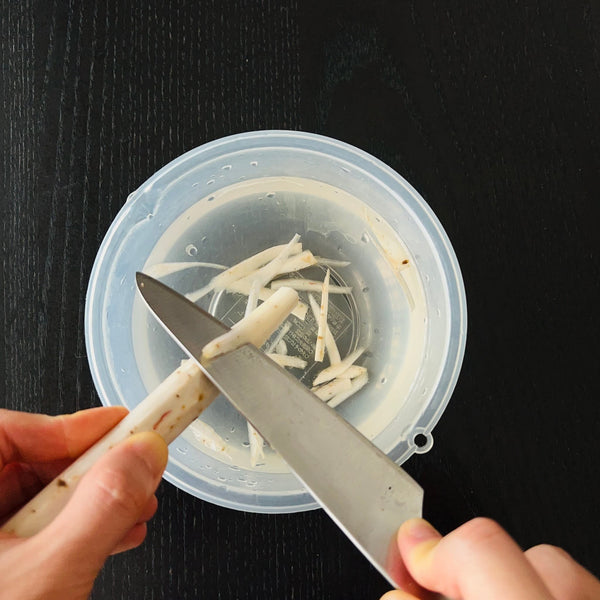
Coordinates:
490	109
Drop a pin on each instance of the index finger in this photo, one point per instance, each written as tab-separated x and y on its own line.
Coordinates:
477	561
30	438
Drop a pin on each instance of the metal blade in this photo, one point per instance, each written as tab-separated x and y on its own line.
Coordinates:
363	491
184	317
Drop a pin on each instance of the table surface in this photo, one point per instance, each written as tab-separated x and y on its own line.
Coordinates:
489	109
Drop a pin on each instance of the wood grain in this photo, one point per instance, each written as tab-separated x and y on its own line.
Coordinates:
489	109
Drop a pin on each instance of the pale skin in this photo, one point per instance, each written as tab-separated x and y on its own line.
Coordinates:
109	510
480	561
106	515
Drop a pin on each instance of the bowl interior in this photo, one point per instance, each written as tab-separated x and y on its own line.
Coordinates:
227	200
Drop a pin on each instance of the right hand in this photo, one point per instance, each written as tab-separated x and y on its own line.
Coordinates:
480	561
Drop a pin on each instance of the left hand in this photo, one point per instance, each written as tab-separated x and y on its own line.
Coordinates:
106	514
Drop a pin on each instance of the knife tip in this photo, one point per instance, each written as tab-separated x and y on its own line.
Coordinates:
140	279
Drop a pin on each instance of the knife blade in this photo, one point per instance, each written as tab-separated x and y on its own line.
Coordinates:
366	494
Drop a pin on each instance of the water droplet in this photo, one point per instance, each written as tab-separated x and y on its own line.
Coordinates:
204	238
210	182
254	163
208	466
246	444
241	478
383	380
271	195
194	185
181	450
365	289
150	216
365	239
222	479
226	167
232	429
251	483
210	198
191	250
346	169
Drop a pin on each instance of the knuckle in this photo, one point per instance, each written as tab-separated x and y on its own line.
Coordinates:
546	552
480	531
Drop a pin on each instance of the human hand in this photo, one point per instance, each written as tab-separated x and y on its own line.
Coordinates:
480	561
107	513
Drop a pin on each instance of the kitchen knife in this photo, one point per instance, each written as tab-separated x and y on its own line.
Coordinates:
365	493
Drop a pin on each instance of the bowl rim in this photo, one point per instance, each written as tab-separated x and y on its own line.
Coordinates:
387	177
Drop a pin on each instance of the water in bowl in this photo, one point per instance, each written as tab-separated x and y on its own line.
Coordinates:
385	312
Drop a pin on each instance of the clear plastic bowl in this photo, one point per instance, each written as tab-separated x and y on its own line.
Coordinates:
230	198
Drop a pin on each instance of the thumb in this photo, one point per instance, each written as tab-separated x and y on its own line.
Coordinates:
479	560
110	499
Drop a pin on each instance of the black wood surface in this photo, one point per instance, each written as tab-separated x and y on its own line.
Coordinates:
490	109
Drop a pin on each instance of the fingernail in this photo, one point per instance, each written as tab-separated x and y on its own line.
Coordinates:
417	531
151	448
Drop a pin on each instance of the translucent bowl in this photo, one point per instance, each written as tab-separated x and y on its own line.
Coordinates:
230	198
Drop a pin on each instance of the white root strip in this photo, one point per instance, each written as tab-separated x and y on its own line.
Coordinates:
252	302
257	443
264	294
298	263
330	345
322	321
285	360
309	285
198	294
291	265
252	263
257	326
331	262
334	371
357	384
352	372
168	410
241	269
208	437
272	268
279	337
163	269
331	389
